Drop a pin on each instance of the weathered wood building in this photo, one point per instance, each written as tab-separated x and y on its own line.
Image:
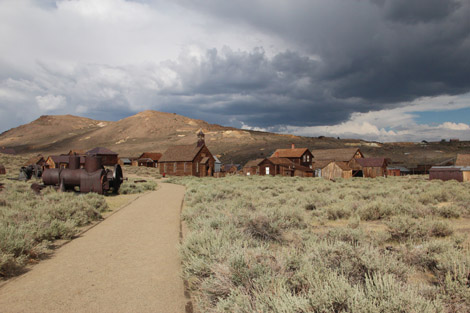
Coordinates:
288	167
36	160
332	170
61	161
107	156
459	173
373	167
347	155
188	160
259	167
397	171
149	159
299	156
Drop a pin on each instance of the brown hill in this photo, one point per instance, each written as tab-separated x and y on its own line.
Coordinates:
156	131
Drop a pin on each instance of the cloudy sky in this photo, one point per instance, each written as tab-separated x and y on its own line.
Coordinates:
387	70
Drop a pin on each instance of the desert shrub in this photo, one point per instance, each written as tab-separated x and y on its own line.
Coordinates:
252	253
261	227
28	221
131	186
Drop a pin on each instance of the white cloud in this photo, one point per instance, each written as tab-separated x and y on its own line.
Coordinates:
51	102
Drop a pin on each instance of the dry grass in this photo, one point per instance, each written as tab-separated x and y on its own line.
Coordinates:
275	244
29	222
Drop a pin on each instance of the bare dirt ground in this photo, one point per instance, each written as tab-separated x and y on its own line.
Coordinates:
127	263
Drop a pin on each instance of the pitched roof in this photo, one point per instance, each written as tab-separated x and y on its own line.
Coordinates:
344	155
35	160
289	153
463	160
155	156
302	168
227	167
253	163
372	162
280	161
320	164
217	159
344	166
65	159
101	151
183	153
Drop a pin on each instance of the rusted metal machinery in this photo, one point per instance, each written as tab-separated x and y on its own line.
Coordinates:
92	178
26	172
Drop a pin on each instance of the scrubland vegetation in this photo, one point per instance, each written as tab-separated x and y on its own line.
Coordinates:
30	222
281	244
142	171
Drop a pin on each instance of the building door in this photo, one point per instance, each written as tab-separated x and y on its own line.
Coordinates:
267	170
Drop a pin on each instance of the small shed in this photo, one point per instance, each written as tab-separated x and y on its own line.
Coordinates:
459	173
124	161
259	167
332	170
217	165
36	160
149	159
3	171
231	168
373	167
108	157
397	171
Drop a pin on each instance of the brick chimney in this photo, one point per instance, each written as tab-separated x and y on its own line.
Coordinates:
293	146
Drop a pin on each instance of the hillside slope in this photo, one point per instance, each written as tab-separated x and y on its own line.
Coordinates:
156	131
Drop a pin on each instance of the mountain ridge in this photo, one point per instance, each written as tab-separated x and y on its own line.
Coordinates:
156	131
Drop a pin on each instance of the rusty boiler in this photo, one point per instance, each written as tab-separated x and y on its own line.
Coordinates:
92	178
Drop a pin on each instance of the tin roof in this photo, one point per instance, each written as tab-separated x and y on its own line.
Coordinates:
450	168
280	161
101	151
155	156
372	162
183	153
289	153
253	163
345	154
463	160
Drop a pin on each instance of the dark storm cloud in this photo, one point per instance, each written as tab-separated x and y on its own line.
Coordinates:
381	52
317	62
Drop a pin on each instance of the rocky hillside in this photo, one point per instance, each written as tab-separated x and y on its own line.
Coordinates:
156	131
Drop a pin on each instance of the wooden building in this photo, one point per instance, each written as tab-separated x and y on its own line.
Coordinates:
462	160
347	155
259	167
3	171
188	160
124	161
459	173
373	167
36	160
217	165
332	170
61	161
299	156
287	167
231	168
108	157
397	171
149	159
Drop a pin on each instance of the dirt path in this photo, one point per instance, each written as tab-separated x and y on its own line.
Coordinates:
127	263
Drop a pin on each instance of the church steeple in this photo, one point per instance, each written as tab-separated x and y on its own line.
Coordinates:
200	138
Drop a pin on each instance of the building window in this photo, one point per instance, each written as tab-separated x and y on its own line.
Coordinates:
267	170
308	158
174	167
305	158
197	167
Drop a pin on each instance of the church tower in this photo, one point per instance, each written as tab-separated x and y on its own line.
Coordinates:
200	138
